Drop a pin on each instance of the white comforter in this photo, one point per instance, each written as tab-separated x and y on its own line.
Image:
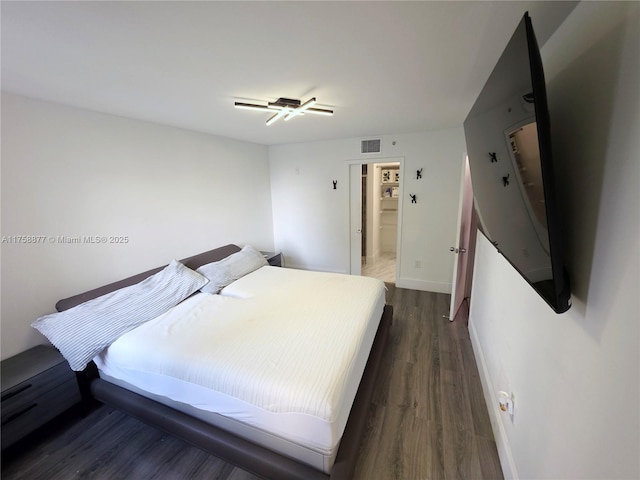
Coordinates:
283	341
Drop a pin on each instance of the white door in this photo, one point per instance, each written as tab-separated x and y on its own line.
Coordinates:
355	218
464	249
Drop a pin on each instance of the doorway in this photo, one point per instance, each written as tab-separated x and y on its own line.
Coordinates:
375	219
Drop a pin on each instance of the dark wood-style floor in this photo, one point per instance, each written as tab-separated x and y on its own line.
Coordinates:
428	419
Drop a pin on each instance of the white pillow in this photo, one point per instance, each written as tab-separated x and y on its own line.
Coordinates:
83	331
231	268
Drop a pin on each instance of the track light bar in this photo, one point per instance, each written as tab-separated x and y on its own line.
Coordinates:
301	109
249	106
279	114
320	111
287	108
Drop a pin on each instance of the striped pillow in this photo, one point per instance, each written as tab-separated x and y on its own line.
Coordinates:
82	332
231	268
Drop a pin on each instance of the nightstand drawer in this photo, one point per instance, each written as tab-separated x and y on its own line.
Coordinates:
37	385
39	410
32	389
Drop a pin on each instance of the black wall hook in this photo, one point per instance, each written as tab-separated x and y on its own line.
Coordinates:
418	174
505	180
335	184
413	198
494	158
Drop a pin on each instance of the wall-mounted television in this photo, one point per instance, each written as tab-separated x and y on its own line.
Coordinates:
509	148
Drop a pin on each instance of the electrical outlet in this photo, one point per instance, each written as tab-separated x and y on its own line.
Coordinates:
418	264
506	402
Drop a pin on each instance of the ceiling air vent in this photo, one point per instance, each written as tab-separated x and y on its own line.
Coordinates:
370	146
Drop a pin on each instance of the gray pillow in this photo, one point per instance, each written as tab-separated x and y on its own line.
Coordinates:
83	331
230	269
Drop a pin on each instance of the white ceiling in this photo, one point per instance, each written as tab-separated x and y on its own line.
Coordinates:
384	67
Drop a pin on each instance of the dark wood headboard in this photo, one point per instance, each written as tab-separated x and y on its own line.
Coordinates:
191	262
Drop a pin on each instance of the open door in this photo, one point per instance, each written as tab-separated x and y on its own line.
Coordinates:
465	249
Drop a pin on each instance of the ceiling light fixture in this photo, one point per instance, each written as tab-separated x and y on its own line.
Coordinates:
287	108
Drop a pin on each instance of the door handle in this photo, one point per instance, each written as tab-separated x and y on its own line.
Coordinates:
458	250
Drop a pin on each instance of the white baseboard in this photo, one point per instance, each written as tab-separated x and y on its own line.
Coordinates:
424	285
502	441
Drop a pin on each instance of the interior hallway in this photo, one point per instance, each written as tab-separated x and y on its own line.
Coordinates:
382	267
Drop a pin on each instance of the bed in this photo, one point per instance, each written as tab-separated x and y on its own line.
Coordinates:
279	384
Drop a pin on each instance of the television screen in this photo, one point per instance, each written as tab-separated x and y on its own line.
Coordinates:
509	147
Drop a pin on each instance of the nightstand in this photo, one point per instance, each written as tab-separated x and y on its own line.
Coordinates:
274	259
37	385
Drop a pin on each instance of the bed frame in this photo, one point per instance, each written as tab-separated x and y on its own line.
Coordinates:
233	449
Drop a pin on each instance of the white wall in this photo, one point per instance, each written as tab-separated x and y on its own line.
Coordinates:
71	172
576	376
311	220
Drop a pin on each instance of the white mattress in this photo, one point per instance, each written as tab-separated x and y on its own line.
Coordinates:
281	350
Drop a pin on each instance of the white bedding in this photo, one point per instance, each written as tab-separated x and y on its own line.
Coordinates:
282	350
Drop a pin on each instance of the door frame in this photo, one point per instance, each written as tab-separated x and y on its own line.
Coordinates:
355	211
